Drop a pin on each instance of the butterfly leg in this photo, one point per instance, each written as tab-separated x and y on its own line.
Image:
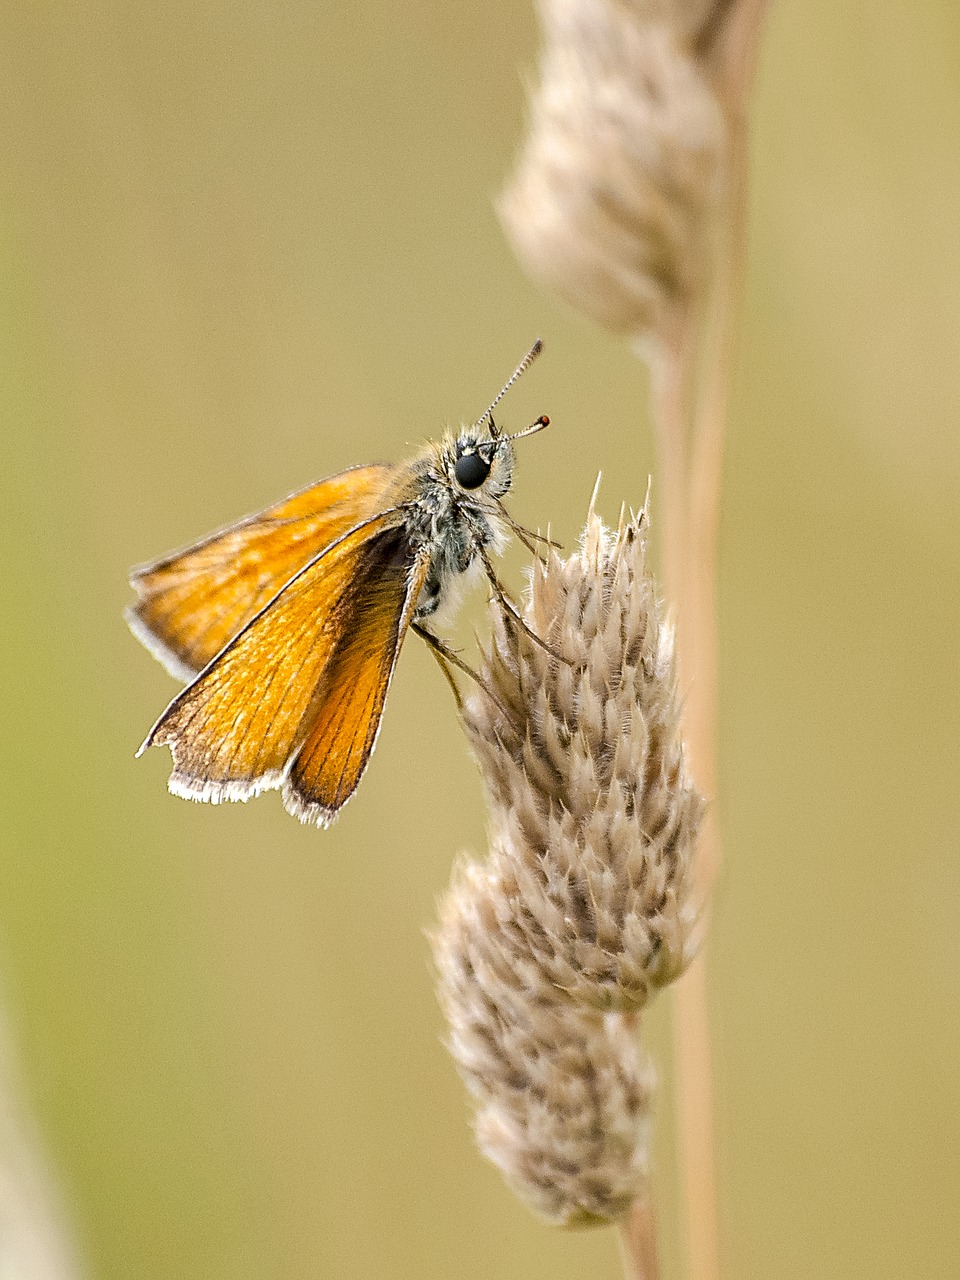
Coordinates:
527	536
446	659
510	608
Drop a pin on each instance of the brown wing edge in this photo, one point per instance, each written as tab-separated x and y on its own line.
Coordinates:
207	791
171	662
313	812
148	637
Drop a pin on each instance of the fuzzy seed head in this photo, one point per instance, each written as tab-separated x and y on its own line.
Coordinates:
594	817
615	189
687	18
562	1099
547	950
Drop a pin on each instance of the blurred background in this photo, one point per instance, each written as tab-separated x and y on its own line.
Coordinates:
247	244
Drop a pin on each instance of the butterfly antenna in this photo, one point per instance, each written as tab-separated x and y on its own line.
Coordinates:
541	422
522	367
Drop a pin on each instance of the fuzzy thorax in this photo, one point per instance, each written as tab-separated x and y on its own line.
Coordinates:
453	526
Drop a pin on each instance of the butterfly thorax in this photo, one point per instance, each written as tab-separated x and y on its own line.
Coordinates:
448	524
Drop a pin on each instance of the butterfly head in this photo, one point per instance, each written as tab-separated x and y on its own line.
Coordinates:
482	458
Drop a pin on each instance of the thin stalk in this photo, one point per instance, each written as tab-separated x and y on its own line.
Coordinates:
638	1230
694	1097
638	1242
671	392
735	61
691	527
693	1091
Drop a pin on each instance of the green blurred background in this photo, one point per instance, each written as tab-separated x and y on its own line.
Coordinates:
246	244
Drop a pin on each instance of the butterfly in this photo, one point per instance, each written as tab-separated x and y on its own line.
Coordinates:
287	625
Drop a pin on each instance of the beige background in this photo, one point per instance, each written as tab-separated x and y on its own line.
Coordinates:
246	244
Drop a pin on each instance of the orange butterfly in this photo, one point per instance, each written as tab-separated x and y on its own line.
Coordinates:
288	624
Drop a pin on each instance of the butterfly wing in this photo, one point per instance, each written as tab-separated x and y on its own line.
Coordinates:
236	729
193	601
343	732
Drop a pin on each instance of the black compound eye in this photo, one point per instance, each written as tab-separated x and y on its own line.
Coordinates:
471	470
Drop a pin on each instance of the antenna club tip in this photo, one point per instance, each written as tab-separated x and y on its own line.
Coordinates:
543	420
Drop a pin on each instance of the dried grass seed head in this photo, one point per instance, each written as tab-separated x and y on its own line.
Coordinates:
563	1103
594	818
686	18
612	199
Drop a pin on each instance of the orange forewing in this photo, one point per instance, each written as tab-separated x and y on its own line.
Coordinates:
235	730
193	601
346	720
